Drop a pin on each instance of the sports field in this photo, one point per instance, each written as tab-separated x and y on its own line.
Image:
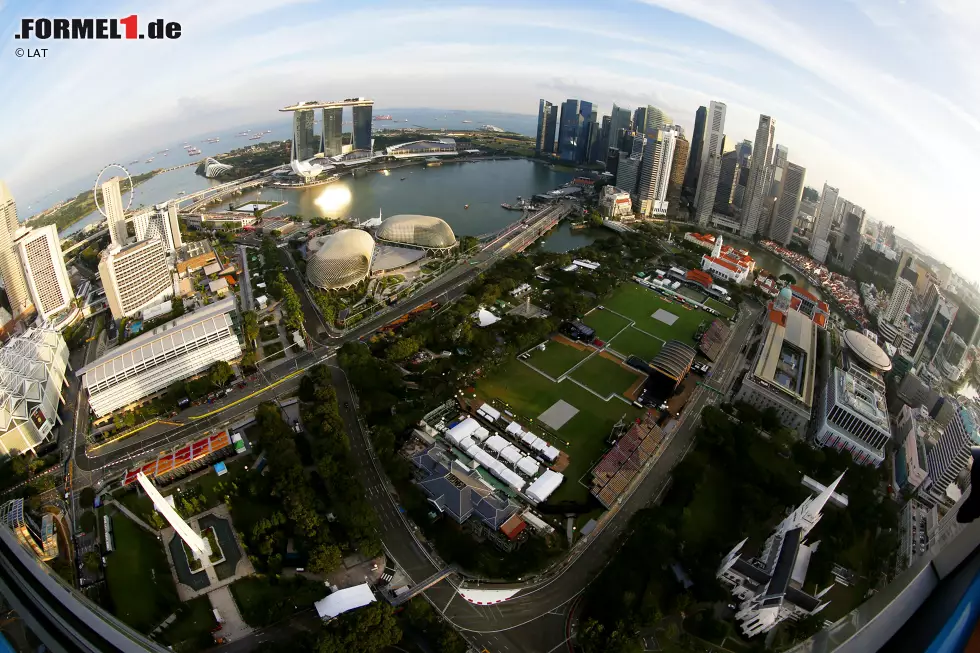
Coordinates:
529	394
606	323
636	343
639	304
605	376
722	308
557	358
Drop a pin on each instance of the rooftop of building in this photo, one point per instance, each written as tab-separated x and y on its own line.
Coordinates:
867	351
863	397
148	338
788	355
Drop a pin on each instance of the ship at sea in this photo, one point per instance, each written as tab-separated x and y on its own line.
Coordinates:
255	137
384	117
150	160
466	122
192	151
213	140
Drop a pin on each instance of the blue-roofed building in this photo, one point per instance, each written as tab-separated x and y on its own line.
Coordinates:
459	491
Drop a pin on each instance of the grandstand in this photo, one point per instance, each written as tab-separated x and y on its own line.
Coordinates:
623	462
713	340
183	461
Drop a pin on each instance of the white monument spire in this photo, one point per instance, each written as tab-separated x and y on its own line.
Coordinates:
200	548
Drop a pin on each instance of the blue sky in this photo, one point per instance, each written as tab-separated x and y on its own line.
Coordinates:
872	96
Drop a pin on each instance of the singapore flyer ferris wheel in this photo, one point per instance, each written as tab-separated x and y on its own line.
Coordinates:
99	180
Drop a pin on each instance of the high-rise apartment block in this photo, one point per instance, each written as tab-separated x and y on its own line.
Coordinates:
112	205
658	154
44	269
547	121
135	277
755	192
898	303
787	203
697	145
819	240
951	454
10	270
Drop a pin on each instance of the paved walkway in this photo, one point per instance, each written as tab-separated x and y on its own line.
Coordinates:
233	626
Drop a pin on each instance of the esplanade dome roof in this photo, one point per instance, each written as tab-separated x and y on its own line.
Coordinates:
419	230
340	260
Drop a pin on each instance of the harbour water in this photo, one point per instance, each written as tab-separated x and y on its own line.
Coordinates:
442	191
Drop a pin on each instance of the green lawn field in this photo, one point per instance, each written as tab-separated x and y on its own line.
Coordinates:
724	309
605	376
636	343
529	394
138	576
557	358
639	304
606	323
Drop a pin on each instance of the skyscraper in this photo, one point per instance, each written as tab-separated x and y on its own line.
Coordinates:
573	130
602	150
640	120
304	141
787	204
851	242
658	154
780	158
44	269
951	454
113	207
744	150
332	137
697	144
714	139
361	129
628	172
754	190
593	146
938	323
824	220
727	179
547	119
619	124
678	168
898	303
10	270
655	119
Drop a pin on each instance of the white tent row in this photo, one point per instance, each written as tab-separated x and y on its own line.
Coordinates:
527	437
544	486
497	443
490	412
528	466
496	468
514	428
511	454
481	434
538	444
466	443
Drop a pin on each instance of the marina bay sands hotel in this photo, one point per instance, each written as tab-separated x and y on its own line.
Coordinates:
306	145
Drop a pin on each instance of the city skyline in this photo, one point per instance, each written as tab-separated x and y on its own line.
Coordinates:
838	102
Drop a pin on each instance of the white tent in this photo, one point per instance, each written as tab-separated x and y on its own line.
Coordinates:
538	444
545	484
511	454
527	437
528	466
343	600
465	428
497	443
514	428
466	443
481	434
511	478
551	453
490	411
485	317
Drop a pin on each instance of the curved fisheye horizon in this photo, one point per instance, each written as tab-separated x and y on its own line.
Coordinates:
470	327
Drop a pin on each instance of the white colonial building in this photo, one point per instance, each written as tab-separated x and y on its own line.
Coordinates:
769	588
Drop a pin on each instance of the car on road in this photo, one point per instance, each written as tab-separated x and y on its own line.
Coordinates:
346	405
